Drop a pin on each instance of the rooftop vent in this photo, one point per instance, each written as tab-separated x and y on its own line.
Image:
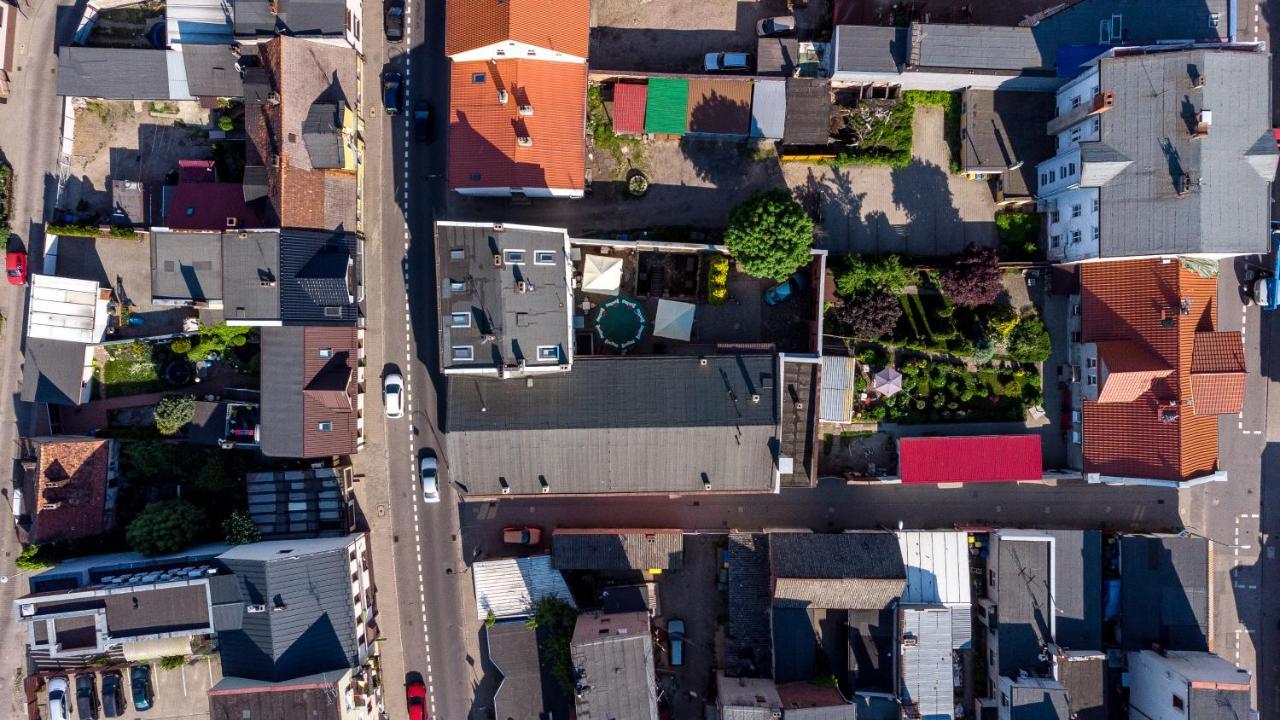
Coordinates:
522	287
502	97
256	608
497	260
1168	416
524	141
526	110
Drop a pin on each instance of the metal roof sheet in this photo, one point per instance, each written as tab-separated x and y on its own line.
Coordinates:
837	388
510	586
769	109
927	662
668	104
937	565
979	458
719	106
65	309
629	103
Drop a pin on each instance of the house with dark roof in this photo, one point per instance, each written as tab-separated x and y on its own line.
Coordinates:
300	119
1043	601
200	202
312	391
612	657
846	571
325	20
1039	54
518	90
505	299
1002	139
1166	587
66	318
1161	151
529	689
1187	685
1150	373
308	607
65	485
617	550
312	502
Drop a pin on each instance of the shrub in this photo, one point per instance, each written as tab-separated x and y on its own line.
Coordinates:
216	339
73	230
173	412
181	346
172	662
973	277
1017	228
1030	342
226	124
29	559
869	317
240	530
863	274
718	280
1002	319
165	527
122	231
770	235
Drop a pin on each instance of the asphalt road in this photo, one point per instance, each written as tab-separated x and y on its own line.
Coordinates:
33	115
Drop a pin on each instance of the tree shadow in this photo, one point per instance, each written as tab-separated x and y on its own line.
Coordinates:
922	191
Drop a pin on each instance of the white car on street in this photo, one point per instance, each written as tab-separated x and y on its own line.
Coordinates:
393	394
427	473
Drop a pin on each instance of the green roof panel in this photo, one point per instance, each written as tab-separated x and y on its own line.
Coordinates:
668	106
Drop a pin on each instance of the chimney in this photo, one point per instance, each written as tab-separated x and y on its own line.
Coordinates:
524	141
502	97
526	110
1204	120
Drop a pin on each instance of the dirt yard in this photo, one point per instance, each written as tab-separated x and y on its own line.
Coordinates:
131	140
672	35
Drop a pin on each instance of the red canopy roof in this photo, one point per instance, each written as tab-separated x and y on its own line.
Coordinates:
629	101
980	458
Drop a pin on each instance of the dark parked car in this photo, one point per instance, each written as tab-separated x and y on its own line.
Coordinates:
422	123
86	697
393	92
140	682
113	701
393	22
782	293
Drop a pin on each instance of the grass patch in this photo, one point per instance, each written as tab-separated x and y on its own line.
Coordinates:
130	369
162	108
1019	233
950	103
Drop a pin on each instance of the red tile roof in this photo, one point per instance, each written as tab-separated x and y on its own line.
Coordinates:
1156	435
1217	373
557	25
69	489
629	101
979	458
198	171
207	205
329	391
483	147
1130	370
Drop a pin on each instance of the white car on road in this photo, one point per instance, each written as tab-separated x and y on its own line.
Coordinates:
427	472
393	394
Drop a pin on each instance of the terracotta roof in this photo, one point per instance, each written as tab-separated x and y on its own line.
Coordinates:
1156	435
329	390
1130	370
629	101
68	491
558	25
1217	373
483	146
207	205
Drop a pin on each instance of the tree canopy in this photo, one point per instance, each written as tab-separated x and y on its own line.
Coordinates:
165	527
174	412
973	277
868	317
770	235
863	274
1029	341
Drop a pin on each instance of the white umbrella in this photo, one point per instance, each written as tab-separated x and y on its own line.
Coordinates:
601	274
887	382
674	320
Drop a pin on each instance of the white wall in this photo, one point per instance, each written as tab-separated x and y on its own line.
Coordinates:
528	192
1058	172
355	23
1152	688
1079	91
1062	224
912	80
514	50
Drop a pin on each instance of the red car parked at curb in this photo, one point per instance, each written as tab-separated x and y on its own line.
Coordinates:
416	694
15	263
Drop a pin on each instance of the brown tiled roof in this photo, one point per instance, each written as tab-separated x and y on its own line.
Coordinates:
483	146
559	25
1156	435
1217	373
1130	370
329	391
69	489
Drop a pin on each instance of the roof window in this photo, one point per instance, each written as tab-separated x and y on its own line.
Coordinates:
477	78
325	426
544	257
326	352
463	352
513	257
549	352
460	320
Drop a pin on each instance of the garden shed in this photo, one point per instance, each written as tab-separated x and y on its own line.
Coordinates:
719	106
769	109
667	106
629	101
808	117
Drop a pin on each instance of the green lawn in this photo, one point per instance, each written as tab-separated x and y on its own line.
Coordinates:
130	370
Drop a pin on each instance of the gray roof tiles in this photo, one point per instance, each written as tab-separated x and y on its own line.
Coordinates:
866	48
211	71
749	643
1048	702
528	690
1227	206
52	371
113	73
990	47
808	112
646	424
614	657
617	550
851	571
323	135
317	277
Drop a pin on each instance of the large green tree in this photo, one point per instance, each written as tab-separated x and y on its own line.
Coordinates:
865	274
770	235
165	527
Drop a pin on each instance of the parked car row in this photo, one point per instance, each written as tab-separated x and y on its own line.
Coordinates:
114	699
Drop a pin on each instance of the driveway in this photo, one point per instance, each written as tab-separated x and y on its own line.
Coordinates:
920	210
672	35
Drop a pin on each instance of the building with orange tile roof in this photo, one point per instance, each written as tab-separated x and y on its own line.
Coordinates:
518	88
1151	375
65	485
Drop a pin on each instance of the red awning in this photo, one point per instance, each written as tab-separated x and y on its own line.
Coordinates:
981	458
629	100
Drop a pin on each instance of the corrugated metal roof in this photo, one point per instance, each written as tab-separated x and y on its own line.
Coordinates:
808	112
719	106
629	101
509	587
979	458
926	663
198	22
769	109
668	103
937	565
837	388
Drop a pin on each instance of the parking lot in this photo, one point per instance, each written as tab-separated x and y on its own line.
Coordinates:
177	694
691	594
672	35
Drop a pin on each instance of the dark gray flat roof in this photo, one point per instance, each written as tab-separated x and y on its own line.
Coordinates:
867	48
1039	703
1004	129
113	73
314	17
808	112
1164	592
518	322
850	571
186	266
211	71
1227	209
628	425
52	371
989	47
1023	584
251	275
282	380
1086	681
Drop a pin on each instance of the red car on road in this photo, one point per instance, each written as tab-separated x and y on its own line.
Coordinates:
15	263
416	694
